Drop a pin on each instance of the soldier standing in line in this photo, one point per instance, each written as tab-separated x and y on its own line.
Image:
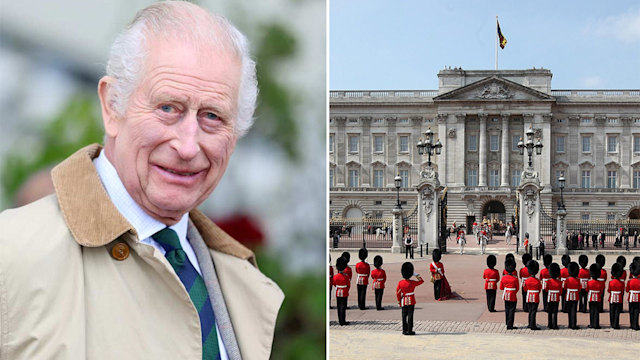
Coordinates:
405	293
347	270
524	275
594	288
583	276
437	272
564	275
633	288
342	283
554	292
509	284
378	279
600	260
616	293
572	287
362	270
532	287
491	276
544	277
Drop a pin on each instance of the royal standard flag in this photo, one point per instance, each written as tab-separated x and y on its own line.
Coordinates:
501	38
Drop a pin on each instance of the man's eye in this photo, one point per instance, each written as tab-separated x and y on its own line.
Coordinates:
211	116
166	108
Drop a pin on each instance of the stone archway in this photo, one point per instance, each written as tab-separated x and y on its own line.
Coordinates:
495	212
634	214
354	213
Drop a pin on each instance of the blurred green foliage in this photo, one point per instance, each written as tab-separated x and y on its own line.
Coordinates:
74	127
300	329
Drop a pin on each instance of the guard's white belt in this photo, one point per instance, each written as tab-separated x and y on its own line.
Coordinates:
341	286
359	275
492	279
411	293
600	279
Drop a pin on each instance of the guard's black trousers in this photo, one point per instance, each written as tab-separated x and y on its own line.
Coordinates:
510	312
552	314
436	289
378	293
545	305
594	314
525	305
362	294
614	314
634	311
491	300
341	304
582	307
533	310
572	309
407	318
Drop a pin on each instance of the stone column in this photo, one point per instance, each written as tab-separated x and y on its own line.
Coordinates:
366	173
446	156
428	215
561	232
340	143
396	248
529	196
505	151
482	151
460	150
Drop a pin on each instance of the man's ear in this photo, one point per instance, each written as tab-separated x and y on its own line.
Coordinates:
110	116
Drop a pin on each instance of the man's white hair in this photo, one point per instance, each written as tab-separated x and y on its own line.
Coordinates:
187	22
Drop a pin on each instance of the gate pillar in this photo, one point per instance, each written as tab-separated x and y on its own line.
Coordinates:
561	232
397	246
529	203
429	190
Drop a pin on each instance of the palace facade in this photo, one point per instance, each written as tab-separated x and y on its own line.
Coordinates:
592	137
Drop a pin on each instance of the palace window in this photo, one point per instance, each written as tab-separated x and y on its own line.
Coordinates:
586	143
354	180
378	143
611	179
494	143
611	216
353	143
636	143
584	216
494	177
560	144
331	143
403	144
378	178
330	177
636	179
515	139
515	177
473	143
472	177
612	143
404	175
586	179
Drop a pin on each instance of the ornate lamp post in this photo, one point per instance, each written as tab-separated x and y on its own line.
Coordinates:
530	145
428	147
398	182
561	181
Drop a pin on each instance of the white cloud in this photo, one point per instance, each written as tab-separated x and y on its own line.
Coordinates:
592	82
623	27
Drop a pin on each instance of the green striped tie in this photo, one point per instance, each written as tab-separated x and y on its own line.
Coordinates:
196	288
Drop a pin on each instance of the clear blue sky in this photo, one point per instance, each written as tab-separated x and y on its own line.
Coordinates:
389	44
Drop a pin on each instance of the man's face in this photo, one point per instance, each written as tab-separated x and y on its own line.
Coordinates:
177	135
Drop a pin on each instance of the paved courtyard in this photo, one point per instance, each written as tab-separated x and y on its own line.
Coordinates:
463	327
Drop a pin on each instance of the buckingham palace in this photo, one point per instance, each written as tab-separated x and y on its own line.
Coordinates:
591	137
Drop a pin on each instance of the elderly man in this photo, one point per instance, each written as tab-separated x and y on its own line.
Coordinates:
118	264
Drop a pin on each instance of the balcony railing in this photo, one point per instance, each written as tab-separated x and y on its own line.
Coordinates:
384	93
593	93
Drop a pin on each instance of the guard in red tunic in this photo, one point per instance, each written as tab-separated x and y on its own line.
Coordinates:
514	272
330	280
405	293
378	279
633	288
572	288
347	270
564	275
437	272
343	284
554	292
616	293
584	277
594	288
600	260
532	287
491	277
362	270
524	275
547	259
509	284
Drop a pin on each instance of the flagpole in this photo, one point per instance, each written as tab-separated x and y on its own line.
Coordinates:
497	41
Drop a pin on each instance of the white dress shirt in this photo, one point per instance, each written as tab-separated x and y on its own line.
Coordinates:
142	222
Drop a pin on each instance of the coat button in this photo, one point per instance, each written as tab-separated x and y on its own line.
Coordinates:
120	251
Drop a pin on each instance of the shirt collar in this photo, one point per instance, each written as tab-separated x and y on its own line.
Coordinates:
143	223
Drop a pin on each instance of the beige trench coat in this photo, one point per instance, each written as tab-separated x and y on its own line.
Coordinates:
64	296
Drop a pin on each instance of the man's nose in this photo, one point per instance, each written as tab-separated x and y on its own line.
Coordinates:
186	141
